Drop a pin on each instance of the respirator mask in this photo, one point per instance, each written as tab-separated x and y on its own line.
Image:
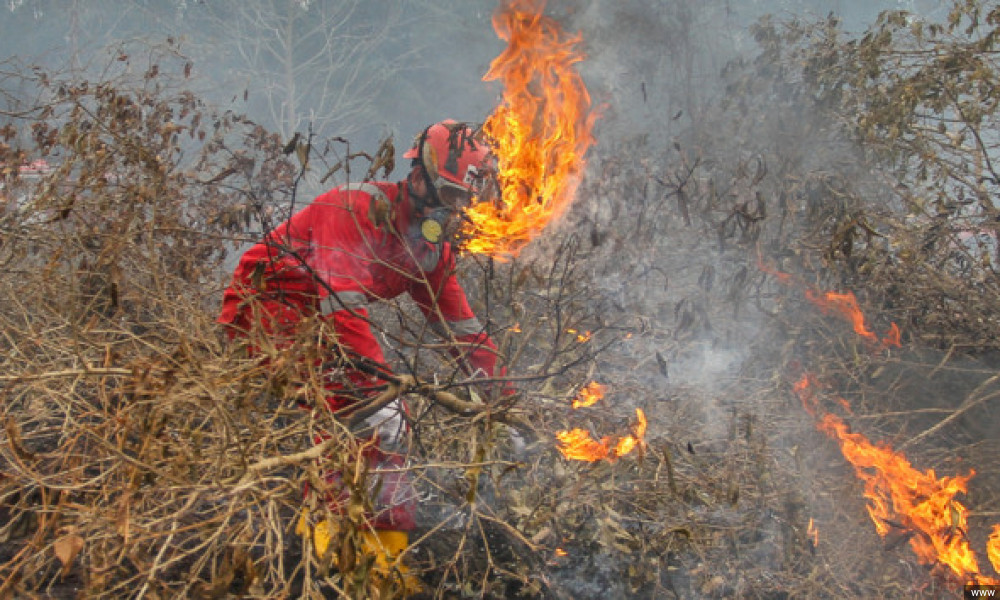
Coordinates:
435	225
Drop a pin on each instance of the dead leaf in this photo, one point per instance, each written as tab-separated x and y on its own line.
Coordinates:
292	144
66	549
302	153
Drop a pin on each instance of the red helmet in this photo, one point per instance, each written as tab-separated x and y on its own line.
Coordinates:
453	154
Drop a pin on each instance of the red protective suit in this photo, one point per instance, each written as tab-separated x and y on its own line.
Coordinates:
354	244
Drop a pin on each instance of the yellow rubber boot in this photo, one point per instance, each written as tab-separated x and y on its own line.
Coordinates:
387	545
384	545
321	533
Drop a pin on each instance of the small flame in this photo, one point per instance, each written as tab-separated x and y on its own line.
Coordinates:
846	305
803	388
540	132
783	278
576	444
589	395
993	548
560	552
629	442
844	404
813	533
893	338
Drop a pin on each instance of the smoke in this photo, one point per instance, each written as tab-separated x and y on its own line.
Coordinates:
681	157
418	62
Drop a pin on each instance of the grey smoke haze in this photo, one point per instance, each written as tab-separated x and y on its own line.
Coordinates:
366	69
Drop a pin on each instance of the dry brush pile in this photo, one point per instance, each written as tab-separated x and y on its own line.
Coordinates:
144	456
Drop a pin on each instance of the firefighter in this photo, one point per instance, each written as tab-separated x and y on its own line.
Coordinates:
361	243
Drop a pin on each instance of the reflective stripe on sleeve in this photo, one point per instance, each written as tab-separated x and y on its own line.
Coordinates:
368	188
343	300
458	328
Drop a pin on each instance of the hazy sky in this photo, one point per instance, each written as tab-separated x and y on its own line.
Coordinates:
422	59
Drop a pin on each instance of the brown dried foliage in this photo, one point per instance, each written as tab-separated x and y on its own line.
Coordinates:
145	456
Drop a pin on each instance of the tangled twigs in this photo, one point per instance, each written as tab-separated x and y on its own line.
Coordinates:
403	384
400	385
275	462
101	372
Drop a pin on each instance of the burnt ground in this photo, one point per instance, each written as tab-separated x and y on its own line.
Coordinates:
737	467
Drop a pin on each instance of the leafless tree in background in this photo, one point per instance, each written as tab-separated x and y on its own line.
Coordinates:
317	65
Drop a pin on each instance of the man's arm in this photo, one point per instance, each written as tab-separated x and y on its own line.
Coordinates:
273	267
446	307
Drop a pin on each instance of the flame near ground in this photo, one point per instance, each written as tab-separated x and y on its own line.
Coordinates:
577	444
901	499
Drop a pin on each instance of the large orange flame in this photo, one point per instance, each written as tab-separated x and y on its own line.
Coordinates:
540	132
918	502
576	444
915	503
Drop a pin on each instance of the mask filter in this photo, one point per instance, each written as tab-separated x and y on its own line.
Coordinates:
433	226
